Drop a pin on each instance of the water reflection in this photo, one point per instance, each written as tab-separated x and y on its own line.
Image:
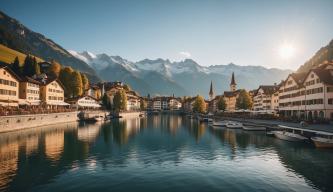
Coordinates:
139	154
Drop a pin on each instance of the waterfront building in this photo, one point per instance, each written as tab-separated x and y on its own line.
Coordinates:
165	103
52	92
230	97
84	102
94	91
264	98
29	92
133	101
9	86
133	98
188	104
308	95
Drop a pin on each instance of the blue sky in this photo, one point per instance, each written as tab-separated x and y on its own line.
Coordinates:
251	32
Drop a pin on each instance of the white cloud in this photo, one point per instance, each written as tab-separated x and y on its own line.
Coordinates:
185	54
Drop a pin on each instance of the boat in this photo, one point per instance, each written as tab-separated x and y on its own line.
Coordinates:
288	136
220	123
270	133
234	125
322	142
206	120
254	128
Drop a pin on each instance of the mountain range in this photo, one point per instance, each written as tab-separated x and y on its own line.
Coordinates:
187	77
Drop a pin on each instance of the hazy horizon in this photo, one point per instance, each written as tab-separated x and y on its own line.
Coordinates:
280	34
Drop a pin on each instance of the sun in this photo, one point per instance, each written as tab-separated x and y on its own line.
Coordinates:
287	50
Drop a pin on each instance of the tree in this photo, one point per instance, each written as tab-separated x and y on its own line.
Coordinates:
106	101
127	87
221	105
36	69
143	105
16	66
120	100
85	82
199	105
55	68
77	86
65	77
28	66
244	100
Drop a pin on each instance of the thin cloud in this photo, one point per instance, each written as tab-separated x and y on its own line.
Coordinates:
185	54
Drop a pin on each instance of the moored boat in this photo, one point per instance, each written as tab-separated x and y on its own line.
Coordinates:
254	128
220	123
321	142
288	136
234	125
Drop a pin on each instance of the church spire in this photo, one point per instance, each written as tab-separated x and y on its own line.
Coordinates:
233	83
211	92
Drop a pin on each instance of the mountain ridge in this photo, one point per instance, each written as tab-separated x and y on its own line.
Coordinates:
186	77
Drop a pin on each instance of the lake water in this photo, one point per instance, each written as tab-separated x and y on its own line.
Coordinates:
158	153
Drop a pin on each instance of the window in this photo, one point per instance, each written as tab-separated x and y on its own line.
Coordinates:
330	101
329	89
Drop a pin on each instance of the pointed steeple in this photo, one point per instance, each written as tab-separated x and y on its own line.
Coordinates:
211	91
233	83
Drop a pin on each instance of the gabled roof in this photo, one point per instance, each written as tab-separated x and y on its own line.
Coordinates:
326	76
229	94
268	89
30	80
80	97
6	66
298	77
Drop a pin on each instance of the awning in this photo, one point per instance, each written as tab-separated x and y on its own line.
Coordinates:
25	102
5	104
60	103
89	105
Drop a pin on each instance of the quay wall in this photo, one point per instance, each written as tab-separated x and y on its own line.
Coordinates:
129	114
17	122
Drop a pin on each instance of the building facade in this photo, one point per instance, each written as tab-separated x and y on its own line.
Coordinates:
264	98
9	87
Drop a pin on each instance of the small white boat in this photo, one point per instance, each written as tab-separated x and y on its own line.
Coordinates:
288	136
322	142
234	125
254	128
220	123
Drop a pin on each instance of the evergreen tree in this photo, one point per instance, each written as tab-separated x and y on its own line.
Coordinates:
120	100
65	77
85	82
16	66
199	105
28	67
106	101
221	105
55	68
76	84
244	100
36	66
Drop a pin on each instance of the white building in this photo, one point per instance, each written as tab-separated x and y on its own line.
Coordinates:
264	98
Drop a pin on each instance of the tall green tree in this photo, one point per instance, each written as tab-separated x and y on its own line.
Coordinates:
221	104
76	84
36	69
199	105
16	66
85	82
244	100
120	100
65	77
106	101
28	66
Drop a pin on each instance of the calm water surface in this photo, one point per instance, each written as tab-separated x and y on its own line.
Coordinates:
158	153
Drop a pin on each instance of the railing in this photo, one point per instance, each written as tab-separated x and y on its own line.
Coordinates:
33	111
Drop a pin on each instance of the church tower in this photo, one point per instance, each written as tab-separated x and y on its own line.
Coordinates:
211	92
233	83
